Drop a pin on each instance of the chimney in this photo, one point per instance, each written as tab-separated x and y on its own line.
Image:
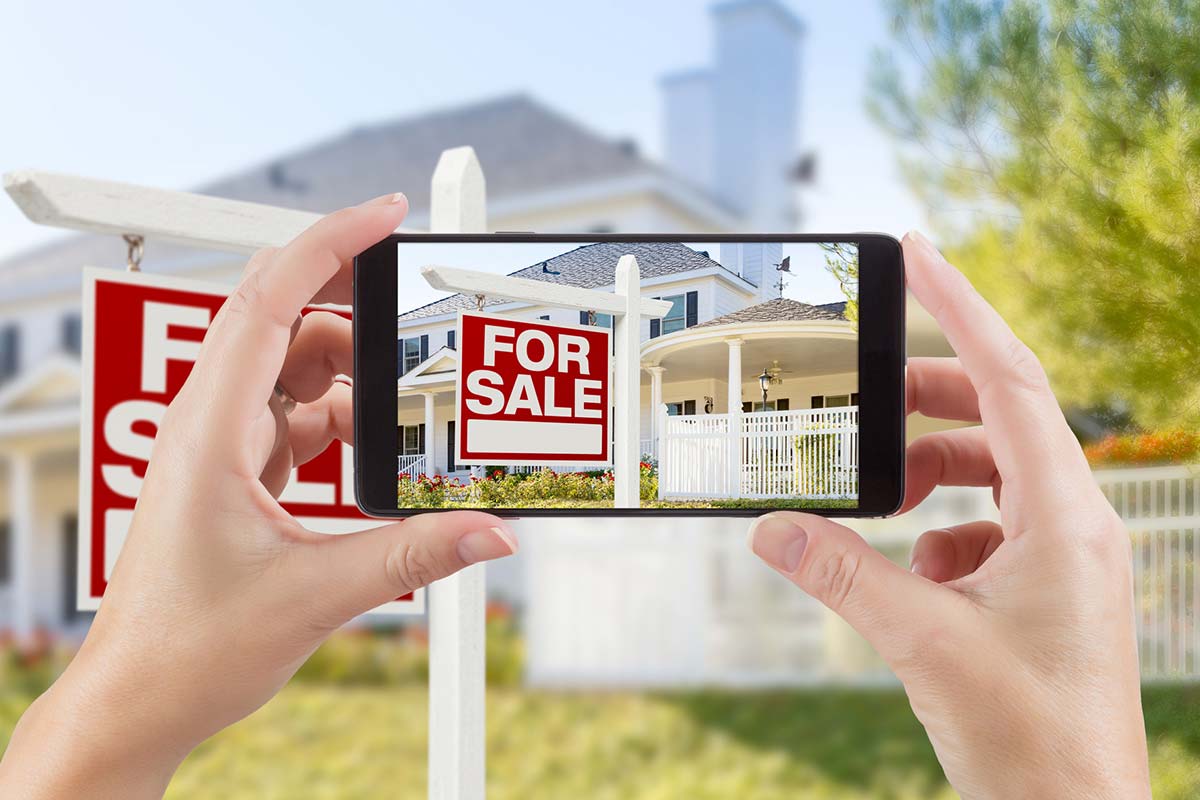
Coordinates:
732	128
756	262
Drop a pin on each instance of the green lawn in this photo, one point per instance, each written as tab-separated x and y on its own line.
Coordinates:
368	742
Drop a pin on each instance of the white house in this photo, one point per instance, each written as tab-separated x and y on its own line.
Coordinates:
728	325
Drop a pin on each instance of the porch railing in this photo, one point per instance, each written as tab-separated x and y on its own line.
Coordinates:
806	453
411	466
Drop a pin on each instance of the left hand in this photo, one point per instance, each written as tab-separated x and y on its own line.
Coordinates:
219	595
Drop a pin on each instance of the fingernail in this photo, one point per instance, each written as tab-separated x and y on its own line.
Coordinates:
387	200
779	541
398	197
916	569
485	545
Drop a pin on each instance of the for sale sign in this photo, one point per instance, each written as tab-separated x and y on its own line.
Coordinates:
532	392
142	334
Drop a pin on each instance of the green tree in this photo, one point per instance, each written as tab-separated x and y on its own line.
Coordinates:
841	260
1057	145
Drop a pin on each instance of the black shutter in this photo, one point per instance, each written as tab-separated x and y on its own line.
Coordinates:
10	351
655	328
818	401
70	566
70	333
689	408
400	358
747	408
452	339
450	446
400	440
693	309
782	404
854	399
424	347
5	552
583	318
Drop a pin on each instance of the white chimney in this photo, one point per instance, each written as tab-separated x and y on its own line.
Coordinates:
756	262
732	128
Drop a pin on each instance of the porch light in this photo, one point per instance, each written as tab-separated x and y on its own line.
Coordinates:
764	381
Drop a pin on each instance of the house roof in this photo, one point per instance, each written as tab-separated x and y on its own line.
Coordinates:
781	309
523	146
589	266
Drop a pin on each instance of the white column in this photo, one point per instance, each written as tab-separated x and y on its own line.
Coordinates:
457	603
430	432
656	374
20	501
627	385
734	403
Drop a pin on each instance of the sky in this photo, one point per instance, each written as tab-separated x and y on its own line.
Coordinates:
808	279
177	94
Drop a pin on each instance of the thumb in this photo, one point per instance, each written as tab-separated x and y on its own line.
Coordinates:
889	606
360	571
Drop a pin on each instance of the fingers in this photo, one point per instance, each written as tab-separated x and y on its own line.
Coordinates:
322	349
247	343
1033	448
360	571
947	554
885	603
959	457
940	388
312	426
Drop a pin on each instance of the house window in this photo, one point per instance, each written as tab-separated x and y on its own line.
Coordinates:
411	439
10	351
782	404
71	333
411	352
602	320
452	339
684	313
834	400
545	317
70	569
685	408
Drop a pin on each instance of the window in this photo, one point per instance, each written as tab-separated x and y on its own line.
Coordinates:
10	351
452	339
411	439
685	408
70	569
545	317
71	333
782	404
684	313
411	352
834	400
602	320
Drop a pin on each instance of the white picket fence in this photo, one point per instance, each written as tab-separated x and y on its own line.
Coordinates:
1161	508
806	453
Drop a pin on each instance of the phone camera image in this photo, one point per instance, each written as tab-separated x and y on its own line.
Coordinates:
700	374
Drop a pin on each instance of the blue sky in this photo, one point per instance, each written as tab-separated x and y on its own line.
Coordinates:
175	94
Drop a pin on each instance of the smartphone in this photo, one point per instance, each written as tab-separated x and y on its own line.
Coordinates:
536	375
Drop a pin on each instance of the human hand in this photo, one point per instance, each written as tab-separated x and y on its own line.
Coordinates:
1015	642
219	595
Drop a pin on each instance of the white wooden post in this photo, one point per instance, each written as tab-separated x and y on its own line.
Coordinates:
457	688
20	509
734	419
627	386
656	377
430	431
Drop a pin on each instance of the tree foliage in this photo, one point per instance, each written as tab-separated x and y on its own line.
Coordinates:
841	260
1057	145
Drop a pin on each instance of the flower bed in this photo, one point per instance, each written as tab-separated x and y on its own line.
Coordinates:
1147	449
502	489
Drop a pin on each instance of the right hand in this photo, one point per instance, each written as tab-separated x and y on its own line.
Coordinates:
1015	642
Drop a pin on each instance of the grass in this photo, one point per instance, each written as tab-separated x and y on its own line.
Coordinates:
330	742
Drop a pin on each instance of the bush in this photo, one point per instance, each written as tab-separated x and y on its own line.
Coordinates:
1165	447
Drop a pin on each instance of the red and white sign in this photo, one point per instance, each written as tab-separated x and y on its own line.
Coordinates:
532	392
141	335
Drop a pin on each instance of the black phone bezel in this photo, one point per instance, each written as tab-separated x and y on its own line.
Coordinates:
881	361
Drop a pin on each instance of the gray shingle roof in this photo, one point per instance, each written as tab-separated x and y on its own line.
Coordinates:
588	267
523	146
781	309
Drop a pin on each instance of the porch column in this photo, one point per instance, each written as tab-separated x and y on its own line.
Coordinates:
656	373
20	503
430	432
734	402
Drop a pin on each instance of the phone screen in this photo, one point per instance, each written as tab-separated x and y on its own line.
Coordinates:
747	385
